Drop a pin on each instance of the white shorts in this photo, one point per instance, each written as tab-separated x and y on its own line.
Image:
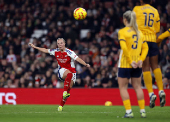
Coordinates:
61	73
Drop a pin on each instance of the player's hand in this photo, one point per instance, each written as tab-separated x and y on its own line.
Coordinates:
88	65
32	45
140	63
134	64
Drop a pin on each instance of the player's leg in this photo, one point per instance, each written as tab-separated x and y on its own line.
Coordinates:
123	80
71	79
146	71
148	81
136	83
65	75
158	76
147	75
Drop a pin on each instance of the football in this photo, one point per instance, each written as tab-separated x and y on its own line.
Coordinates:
80	13
108	103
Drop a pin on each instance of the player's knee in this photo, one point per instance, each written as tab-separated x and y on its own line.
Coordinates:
154	66
136	87
69	76
145	68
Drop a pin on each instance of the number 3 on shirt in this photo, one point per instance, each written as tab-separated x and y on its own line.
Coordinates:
135	44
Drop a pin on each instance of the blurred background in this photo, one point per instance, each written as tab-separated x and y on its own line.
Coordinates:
94	40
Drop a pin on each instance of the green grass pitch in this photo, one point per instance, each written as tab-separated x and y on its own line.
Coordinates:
70	113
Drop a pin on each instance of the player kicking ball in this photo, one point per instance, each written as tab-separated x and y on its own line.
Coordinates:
66	67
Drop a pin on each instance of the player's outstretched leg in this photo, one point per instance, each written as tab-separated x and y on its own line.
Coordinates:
63	101
67	85
66	93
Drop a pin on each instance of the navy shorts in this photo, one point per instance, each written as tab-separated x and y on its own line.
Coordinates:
153	49
129	72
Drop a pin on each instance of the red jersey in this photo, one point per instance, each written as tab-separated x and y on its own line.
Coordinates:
65	59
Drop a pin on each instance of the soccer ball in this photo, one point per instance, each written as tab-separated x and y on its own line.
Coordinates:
108	103
80	13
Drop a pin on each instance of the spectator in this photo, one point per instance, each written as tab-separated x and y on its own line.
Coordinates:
11	57
20	65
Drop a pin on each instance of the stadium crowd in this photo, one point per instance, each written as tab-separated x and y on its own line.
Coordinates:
24	67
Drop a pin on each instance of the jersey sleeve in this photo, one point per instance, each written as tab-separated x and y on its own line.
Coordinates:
125	51
72	54
51	51
144	50
157	23
163	36
121	36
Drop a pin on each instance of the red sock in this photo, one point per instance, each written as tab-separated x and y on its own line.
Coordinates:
63	101
68	91
66	87
67	81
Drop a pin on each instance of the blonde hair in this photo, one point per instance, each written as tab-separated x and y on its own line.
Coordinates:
130	16
62	39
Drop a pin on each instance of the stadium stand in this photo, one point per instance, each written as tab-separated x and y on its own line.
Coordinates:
93	39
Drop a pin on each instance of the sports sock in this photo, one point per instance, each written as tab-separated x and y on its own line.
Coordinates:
68	91
148	81
127	105
67	81
63	101
141	104
158	77
66	87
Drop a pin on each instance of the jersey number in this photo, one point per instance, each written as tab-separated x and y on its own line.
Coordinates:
135	45
150	21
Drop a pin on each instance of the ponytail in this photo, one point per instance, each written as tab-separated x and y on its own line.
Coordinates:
131	18
133	23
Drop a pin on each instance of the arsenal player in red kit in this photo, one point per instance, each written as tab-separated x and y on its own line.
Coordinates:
66	66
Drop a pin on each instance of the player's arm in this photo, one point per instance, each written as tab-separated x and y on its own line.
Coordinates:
39	48
125	51
75	57
123	46
163	36
82	62
144	51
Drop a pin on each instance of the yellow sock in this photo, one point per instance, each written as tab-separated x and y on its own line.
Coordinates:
148	81
141	104
127	104
158	77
